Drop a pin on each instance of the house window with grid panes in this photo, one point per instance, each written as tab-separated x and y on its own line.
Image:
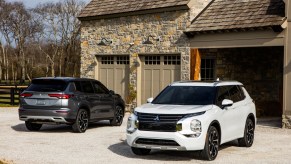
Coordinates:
122	60
207	69
172	60
107	60
152	60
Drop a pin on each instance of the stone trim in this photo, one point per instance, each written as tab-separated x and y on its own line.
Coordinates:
286	121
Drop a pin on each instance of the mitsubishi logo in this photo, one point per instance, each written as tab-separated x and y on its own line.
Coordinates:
157	118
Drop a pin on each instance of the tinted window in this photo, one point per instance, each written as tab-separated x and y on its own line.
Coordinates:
99	88
222	94
242	94
186	95
47	85
235	93
71	87
78	86
87	87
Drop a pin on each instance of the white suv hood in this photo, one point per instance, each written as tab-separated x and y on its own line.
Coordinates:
172	109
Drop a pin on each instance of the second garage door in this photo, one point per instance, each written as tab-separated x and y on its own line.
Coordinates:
157	73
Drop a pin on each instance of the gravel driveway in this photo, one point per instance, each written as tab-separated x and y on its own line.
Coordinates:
105	144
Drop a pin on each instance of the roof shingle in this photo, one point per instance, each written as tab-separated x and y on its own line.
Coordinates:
106	7
239	14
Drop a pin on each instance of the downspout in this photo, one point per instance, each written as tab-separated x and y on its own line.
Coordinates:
286	118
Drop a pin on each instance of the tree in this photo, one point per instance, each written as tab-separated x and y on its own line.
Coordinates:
17	27
61	31
43	41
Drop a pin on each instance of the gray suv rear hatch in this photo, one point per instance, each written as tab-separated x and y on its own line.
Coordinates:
45	94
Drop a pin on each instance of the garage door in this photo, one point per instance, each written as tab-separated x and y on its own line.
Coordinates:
157	73
114	73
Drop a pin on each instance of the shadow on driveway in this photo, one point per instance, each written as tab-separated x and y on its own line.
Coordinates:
58	128
124	150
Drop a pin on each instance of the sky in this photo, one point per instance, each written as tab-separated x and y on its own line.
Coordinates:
34	3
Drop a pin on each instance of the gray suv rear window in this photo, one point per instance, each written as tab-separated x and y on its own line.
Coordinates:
47	85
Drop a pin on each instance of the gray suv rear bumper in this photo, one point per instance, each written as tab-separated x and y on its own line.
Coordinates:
50	116
44	119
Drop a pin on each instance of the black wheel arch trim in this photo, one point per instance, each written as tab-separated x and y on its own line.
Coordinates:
252	117
218	127
87	108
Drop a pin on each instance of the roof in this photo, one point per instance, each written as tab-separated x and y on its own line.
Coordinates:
205	83
239	14
97	8
62	78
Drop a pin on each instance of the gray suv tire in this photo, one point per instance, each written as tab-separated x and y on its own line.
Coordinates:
118	116
32	126
82	121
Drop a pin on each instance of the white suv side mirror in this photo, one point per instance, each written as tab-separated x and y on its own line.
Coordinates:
226	103
150	100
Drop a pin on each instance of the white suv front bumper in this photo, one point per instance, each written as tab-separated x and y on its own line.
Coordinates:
184	143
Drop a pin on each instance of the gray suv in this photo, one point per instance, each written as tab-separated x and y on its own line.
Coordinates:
72	101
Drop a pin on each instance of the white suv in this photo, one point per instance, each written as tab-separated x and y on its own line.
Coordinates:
193	116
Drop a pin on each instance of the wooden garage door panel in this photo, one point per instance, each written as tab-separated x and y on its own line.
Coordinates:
151	83
121	81
114	73
103	74
155	83
155	77
168	77
108	77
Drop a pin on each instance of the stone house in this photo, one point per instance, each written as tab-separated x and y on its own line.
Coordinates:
137	42
248	41
151	44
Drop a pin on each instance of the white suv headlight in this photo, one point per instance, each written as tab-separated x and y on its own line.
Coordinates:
196	127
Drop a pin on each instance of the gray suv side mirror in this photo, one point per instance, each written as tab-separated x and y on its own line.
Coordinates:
111	92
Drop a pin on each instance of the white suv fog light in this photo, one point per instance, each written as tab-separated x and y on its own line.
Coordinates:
132	125
193	135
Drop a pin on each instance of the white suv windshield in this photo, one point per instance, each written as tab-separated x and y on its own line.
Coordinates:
186	95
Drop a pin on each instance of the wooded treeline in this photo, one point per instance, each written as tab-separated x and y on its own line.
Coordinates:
41	41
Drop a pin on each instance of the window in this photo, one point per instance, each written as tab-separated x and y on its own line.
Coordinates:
87	87
207	69
222	94
238	94
47	85
186	95
107	60
232	92
152	60
172	60
99	89
78	86
122	60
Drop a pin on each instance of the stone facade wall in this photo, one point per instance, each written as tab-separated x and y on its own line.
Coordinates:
122	31
169	26
259	69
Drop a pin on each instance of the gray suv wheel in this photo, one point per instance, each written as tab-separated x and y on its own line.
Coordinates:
118	116
81	123
32	126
